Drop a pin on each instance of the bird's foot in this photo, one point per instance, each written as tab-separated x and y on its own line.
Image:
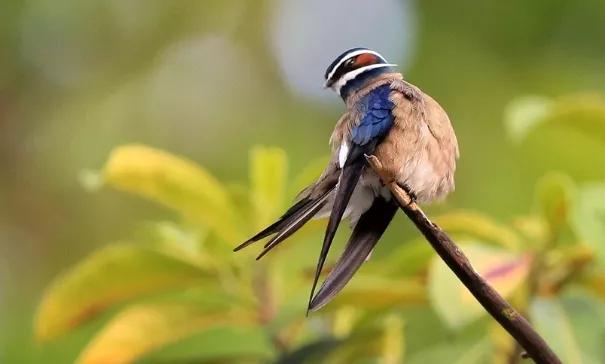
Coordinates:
408	190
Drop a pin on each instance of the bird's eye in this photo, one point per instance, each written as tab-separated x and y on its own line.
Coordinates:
350	62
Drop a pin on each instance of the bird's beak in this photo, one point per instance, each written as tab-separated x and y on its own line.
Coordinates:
328	84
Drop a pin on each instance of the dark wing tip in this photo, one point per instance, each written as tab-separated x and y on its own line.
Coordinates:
301	205
271	244
262	254
243	245
366	234
316	305
348	180
328	292
299	221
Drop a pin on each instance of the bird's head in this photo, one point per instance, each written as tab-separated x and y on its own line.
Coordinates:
353	67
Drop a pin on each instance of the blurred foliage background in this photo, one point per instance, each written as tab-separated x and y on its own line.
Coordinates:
168	102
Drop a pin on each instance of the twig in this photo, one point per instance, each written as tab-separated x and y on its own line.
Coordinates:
516	325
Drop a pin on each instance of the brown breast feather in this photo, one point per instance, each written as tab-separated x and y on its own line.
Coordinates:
422	133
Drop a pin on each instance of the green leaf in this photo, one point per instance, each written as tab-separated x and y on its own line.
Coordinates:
569	136
408	259
314	352
382	340
594	282
268	174
224	343
111	275
454	353
309	173
524	114
586	315
393	348
584	113
588	219
372	292
532	228
173	182
555	193
503	270
139	329
479	226
91	181
551	320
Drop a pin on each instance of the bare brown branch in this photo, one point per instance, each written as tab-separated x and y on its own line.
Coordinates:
516	325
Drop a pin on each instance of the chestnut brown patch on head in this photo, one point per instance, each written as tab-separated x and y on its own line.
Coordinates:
353	63
365	59
349	61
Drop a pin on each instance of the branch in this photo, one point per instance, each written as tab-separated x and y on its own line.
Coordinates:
516	325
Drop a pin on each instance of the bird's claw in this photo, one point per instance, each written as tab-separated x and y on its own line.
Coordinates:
408	190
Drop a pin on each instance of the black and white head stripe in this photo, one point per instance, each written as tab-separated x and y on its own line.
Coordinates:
346	55
352	63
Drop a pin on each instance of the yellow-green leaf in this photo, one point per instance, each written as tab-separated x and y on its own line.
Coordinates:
142	328
533	229
231	343
372	292
407	259
453	352
526	113
309	173
111	275
595	283
550	319
268	174
503	270
555	195
588	218
479	226
393	349
173	182
582	112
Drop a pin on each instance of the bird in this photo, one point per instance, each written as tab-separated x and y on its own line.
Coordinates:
390	118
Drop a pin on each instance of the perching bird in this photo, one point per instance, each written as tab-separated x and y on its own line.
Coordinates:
405	129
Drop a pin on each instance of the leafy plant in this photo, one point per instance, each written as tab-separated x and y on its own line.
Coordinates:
176	293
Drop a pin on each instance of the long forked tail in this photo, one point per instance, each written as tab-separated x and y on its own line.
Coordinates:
346	185
366	234
295	218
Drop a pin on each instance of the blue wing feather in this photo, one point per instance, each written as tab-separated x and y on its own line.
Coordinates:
376	119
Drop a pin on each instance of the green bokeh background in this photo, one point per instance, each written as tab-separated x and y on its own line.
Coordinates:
72	76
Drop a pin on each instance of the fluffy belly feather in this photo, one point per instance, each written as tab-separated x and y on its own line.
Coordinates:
426	180
429	178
